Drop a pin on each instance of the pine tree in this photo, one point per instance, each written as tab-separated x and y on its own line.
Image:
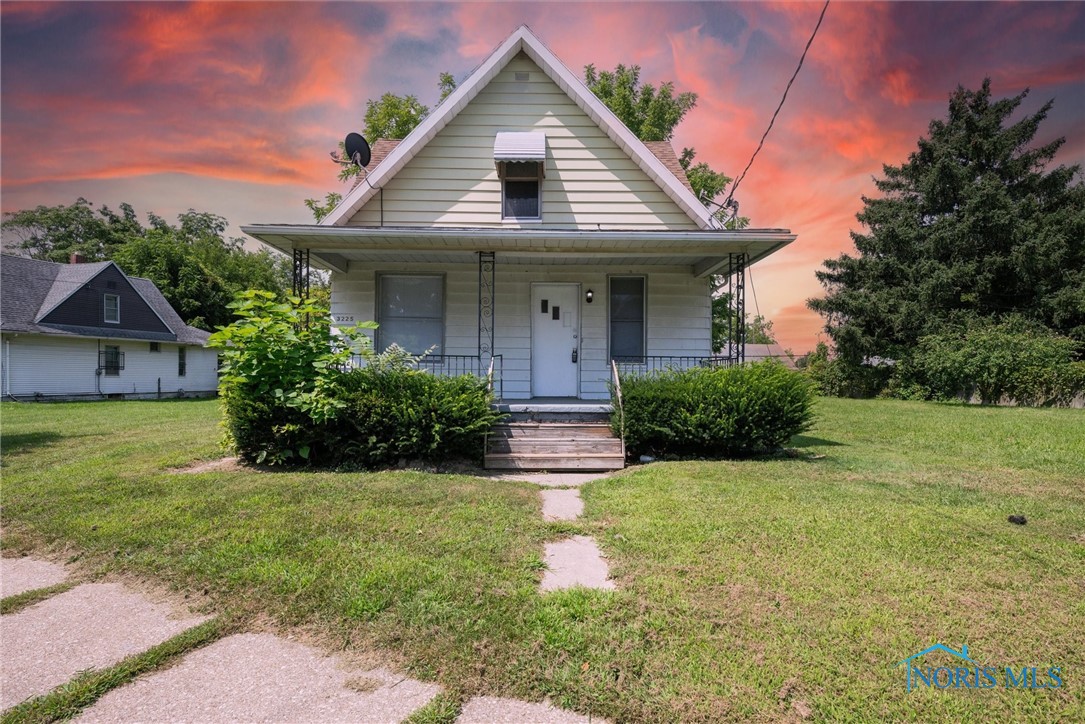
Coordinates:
973	226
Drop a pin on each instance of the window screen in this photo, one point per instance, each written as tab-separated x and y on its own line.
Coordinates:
626	317
112	308
112	361
521	190
411	313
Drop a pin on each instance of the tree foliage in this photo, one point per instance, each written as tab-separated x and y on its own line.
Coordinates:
390	116
196	267
650	113
54	233
973	225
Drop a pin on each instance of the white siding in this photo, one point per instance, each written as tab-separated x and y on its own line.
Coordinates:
590	181
678	314
66	366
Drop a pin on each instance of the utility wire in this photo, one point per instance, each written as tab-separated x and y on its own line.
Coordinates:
734	187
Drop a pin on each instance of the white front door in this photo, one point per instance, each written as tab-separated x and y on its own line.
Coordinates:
555	340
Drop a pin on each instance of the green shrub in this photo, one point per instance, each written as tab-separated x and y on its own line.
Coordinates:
835	377
724	412
289	397
1013	359
280	366
395	412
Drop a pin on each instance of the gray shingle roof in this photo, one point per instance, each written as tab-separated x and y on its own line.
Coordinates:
29	288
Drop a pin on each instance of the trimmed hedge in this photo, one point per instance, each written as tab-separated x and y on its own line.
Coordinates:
723	412
409	413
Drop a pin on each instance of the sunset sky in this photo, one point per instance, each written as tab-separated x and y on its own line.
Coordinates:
233	107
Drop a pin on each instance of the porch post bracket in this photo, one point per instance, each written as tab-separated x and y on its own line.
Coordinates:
486	290
301	273
736	320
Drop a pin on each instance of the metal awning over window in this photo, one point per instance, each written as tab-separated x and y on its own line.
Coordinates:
520	146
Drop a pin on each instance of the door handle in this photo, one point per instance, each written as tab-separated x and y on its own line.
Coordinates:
574	355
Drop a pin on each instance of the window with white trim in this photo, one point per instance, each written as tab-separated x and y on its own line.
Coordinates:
627	314
182	361
411	312
111	312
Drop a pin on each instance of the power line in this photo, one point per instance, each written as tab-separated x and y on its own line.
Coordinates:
728	203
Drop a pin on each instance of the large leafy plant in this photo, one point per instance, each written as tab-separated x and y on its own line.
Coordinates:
283	357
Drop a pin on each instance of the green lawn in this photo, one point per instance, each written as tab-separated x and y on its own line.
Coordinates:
747	590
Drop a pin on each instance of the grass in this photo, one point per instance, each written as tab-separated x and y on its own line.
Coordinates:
761	589
16	603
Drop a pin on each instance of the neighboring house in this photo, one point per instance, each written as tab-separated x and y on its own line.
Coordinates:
773	351
523	225
88	330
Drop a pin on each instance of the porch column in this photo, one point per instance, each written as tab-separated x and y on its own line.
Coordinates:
485	304
301	273
736	282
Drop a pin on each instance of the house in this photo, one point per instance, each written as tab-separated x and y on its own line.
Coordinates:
523	220
773	351
72	331
522	228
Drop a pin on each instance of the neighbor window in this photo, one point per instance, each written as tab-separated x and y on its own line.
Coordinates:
626	318
112	312
111	360
411	312
521	190
181	361
156	347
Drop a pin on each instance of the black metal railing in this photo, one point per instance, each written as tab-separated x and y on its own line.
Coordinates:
455	365
659	363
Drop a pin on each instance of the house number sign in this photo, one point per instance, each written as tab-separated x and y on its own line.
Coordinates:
342	318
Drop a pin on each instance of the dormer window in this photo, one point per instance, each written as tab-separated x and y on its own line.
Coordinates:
112	309
520	158
521	190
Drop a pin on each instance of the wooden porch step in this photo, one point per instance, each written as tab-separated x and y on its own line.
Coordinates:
553	463
557	430
554	446
581	446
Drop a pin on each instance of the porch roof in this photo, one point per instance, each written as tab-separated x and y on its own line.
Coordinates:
704	250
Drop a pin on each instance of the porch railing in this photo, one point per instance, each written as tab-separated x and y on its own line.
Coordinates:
487	367
658	363
616	385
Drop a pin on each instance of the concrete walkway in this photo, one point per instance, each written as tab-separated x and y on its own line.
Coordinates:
245	677
94	625
575	561
260	677
19	575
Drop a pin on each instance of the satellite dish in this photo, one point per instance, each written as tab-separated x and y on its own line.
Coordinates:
357	149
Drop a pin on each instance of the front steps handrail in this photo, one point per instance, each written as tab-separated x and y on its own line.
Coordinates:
618	396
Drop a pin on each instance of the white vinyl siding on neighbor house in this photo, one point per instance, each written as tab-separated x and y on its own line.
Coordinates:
66	366
590	181
678	313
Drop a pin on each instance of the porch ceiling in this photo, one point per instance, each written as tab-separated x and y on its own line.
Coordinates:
703	250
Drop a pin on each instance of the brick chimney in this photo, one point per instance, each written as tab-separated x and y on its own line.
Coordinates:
77	258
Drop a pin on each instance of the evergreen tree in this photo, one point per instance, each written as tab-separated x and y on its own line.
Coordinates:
973	226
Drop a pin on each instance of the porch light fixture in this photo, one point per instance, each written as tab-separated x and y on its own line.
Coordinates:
589	296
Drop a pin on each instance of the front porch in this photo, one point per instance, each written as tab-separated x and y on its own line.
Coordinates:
542	312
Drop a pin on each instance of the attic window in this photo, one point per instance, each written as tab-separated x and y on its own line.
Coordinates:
111	312
520	158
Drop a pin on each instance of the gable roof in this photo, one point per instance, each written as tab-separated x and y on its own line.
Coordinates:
522	40
30	289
